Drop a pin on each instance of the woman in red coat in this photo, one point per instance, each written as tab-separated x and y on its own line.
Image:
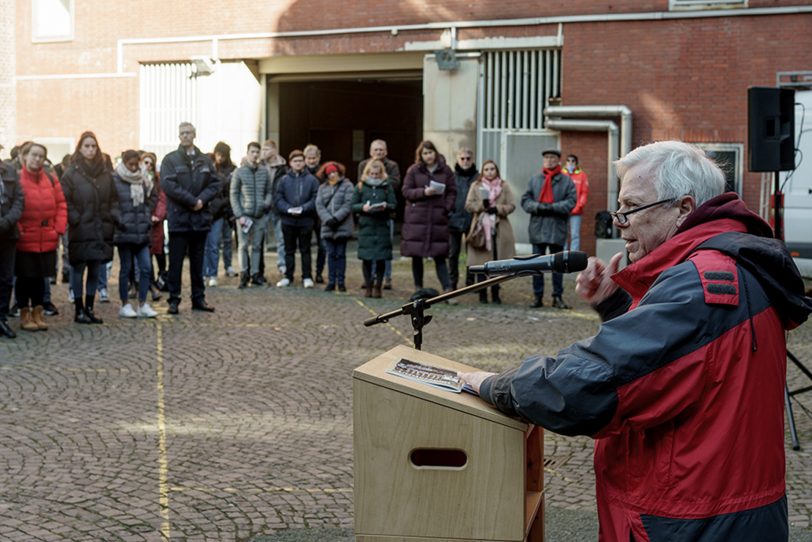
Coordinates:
148	166
43	220
430	191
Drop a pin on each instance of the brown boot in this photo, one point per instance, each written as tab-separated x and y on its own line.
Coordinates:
376	290
368	292
38	319
27	320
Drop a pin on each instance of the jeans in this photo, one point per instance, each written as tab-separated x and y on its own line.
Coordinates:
575	233
280	240
439	266
321	253
192	243
228	244
252	241
297	235
77	273
104	272
126	255
336	260
538	280
211	257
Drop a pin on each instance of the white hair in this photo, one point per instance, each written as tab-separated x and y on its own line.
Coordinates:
677	169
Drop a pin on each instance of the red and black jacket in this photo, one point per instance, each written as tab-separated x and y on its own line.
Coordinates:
682	387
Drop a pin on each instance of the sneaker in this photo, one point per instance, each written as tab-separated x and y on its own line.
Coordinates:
71	297
307	283
230	272
282	269
49	309
213	282
145	311
127	311
285	282
103	297
14	311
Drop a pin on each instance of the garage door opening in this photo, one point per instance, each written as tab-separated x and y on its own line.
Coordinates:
344	117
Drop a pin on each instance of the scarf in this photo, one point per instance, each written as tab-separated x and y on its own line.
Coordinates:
140	184
467	172
489	220
373	182
92	169
546	194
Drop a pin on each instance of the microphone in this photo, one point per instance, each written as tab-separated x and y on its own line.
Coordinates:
560	262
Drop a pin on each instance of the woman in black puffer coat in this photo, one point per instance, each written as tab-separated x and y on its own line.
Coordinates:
88	187
137	196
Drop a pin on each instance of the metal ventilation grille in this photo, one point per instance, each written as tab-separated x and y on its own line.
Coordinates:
517	87
706	4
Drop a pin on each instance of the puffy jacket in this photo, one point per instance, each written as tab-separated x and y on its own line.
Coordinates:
11	203
220	204
251	192
683	386
425	218
297	190
552	225
133	223
45	213
90	201
460	219
374	238
185	180
157	232
335	201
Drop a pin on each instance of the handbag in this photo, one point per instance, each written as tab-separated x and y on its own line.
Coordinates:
475	237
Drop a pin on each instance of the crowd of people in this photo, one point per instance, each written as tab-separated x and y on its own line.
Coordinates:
92	204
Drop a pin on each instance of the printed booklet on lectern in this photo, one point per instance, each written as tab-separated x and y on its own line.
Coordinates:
428	374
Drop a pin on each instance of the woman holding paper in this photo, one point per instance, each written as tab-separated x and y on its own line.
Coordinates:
430	190
374	200
491	200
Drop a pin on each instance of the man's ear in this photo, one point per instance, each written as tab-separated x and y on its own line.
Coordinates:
686	206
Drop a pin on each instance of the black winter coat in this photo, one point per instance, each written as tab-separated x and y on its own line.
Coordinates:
133	223
184	181
220	205
11	203
460	219
425	219
90	220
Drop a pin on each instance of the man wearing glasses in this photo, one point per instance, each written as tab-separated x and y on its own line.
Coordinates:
549	199
459	222
682	387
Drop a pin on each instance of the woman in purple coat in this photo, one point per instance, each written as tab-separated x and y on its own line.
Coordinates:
430	191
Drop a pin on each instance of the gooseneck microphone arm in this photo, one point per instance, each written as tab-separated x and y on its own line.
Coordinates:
416	309
561	262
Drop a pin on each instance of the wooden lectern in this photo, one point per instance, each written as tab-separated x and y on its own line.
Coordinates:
434	465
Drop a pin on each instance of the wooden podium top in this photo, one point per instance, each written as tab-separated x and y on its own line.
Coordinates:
374	372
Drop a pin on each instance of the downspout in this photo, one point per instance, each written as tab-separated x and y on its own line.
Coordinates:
612	148
601	112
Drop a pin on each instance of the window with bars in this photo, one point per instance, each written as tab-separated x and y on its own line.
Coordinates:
518	86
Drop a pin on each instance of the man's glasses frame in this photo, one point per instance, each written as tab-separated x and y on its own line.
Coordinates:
622	217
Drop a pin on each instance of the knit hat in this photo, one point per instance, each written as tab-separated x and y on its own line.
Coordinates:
330	168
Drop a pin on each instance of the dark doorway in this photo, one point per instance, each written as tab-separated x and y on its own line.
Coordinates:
343	117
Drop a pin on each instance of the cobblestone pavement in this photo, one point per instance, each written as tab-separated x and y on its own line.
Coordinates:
238	425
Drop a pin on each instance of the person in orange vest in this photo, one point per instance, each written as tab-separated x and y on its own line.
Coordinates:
578	177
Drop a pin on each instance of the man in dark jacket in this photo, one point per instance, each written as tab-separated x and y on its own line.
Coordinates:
296	202
11	208
189	182
549	199
683	386
459	222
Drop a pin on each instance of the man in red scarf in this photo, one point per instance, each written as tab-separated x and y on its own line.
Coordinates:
549	199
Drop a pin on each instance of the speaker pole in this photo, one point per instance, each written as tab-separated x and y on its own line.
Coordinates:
777	208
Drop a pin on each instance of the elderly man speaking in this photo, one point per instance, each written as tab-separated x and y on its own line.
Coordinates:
682	388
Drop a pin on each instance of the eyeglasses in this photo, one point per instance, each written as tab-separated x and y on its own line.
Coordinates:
622	217
466	158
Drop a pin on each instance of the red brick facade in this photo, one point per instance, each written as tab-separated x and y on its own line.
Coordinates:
682	78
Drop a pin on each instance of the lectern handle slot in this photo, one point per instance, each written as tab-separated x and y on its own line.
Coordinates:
438	458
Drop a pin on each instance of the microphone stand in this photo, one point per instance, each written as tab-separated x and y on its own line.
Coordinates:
416	309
